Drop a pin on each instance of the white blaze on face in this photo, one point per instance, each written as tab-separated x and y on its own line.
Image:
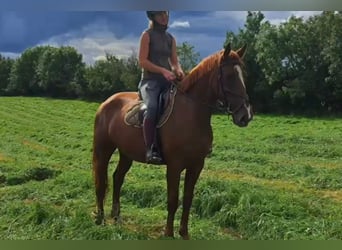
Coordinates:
249	111
239	70
240	75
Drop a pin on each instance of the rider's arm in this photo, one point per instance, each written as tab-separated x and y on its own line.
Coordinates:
177	69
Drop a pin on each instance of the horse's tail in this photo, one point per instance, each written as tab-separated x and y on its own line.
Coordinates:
102	151
96	152
95	140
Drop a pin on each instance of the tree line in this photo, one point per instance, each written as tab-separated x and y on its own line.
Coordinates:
61	73
292	67
295	66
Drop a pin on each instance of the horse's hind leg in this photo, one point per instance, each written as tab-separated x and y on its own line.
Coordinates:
118	178
101	157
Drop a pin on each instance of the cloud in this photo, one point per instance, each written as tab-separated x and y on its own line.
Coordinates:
96	40
10	55
180	24
274	17
96	33
305	14
208	29
278	17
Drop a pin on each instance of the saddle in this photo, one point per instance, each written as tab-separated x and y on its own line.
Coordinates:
135	114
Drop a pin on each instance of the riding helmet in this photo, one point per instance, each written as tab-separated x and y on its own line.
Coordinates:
150	14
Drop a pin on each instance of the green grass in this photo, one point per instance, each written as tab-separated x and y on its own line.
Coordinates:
279	178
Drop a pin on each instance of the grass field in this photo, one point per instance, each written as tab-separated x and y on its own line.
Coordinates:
279	178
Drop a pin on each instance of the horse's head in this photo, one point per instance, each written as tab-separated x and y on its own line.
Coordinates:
232	90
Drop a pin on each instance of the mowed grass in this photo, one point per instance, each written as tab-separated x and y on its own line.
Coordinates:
279	178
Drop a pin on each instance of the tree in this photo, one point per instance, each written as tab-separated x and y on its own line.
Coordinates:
329	26
104	77
131	74
61	72
282	57
301	62
23	76
5	70
187	56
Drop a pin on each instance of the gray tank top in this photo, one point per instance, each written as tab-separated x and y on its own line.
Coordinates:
160	49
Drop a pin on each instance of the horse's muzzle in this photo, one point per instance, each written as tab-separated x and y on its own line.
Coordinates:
243	116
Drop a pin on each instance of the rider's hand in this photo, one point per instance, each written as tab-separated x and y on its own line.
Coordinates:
179	74
170	76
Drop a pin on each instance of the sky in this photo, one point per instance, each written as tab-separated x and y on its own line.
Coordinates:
95	33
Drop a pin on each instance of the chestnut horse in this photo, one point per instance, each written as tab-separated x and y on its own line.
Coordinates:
185	138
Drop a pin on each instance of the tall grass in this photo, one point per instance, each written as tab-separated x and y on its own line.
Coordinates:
279	178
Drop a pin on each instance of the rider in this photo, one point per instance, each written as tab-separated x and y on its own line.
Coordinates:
159	62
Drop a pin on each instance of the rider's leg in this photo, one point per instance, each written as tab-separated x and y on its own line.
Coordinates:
150	91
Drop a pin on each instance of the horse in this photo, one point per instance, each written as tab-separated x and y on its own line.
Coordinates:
185	138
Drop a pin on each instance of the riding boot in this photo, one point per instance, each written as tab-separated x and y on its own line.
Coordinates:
149	131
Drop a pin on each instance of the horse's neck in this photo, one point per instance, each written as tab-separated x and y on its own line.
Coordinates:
195	112
199	86
197	95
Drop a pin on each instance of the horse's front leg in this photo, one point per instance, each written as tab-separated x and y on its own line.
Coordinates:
191	177
118	178
173	178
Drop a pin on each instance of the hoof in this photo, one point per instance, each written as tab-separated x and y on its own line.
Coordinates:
117	219
169	234
98	217
115	215
184	235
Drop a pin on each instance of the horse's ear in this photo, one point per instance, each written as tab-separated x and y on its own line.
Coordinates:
242	51
227	49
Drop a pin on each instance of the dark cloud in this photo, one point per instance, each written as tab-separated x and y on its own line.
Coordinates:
20	30
94	33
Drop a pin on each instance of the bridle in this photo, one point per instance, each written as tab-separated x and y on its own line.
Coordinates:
224	103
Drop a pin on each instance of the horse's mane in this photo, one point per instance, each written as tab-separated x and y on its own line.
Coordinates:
208	64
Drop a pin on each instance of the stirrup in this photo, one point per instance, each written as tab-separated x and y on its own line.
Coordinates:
153	157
